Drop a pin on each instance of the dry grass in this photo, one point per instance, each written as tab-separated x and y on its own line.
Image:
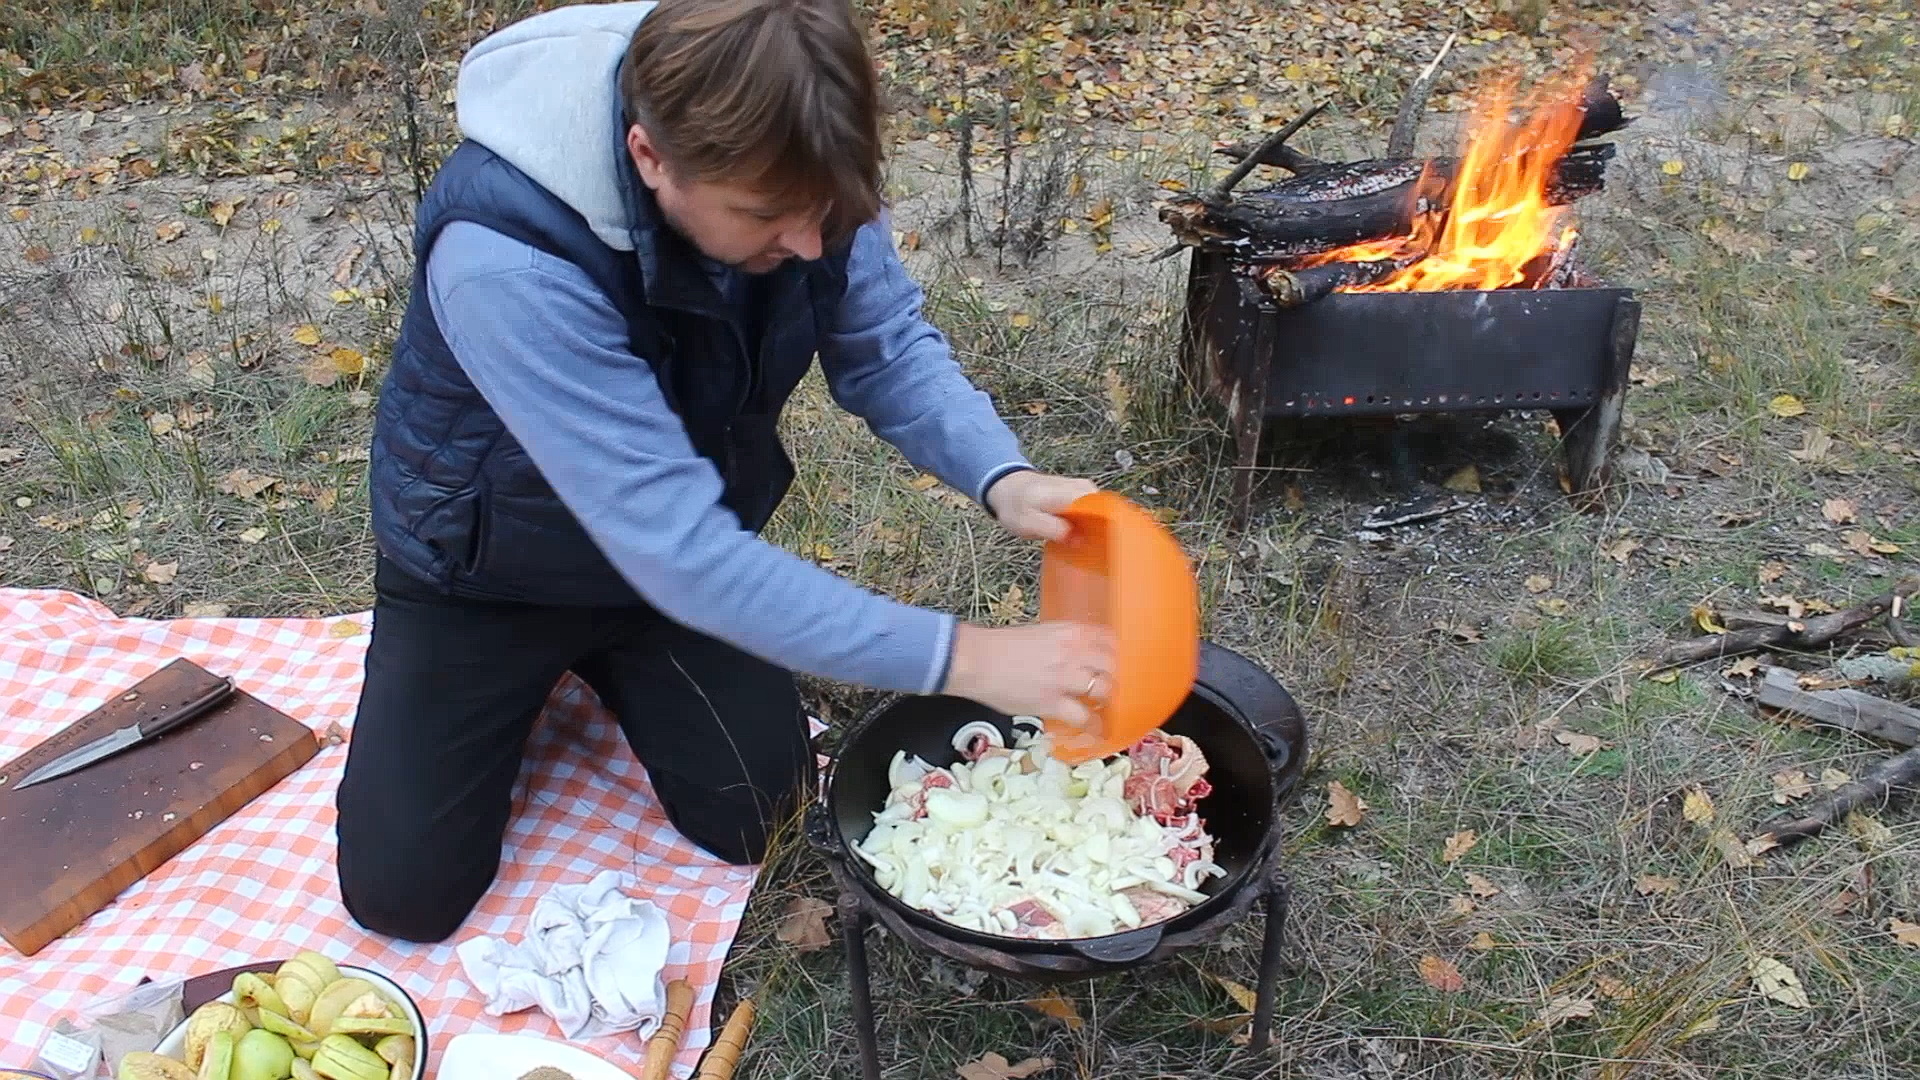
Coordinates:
134	402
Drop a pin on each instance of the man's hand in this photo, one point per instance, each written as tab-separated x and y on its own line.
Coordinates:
1028	503
1050	670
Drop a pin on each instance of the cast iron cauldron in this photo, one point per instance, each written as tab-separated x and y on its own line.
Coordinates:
1255	741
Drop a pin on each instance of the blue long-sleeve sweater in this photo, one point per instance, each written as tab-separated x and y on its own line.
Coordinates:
540	342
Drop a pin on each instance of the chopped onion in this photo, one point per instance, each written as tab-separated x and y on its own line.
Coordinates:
1018	843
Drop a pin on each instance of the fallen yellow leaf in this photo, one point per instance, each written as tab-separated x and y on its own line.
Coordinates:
1904	932
1797	171
1839	511
348	361
996	1067
1538	583
1564	1008
161	573
222	211
1343	806
1058	1007
1480	886
1467	480
1613	989
1459	844
922	482
1704	618
1778	982
1021	320
1441	974
1673	167
1697	807
343	628
1622	549
1786	406
1241	996
1789	785
804	924
253	535
1578	743
1482	942
306	334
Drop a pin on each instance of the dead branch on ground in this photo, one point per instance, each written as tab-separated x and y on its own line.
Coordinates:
1794	634
1871	791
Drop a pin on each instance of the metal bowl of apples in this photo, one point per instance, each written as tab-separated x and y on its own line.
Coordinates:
304	1019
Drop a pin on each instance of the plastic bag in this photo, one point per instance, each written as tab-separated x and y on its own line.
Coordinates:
109	1029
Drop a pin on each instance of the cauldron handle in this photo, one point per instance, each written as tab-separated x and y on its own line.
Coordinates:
1245	687
818	828
1119	948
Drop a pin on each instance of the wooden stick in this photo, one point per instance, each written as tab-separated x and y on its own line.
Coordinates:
1899	771
1806	634
1407	124
665	1043
725	1055
1232	180
1849	710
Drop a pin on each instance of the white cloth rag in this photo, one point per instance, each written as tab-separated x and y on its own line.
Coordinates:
591	958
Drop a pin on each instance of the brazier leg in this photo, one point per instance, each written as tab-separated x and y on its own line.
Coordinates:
853	926
1255	369
1278	893
1587	435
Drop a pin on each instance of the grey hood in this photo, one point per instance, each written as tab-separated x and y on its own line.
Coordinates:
541	94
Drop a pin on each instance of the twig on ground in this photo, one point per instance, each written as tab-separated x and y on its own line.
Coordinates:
1807	634
1895	627
1869	791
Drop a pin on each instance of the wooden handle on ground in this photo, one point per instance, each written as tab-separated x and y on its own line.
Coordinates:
725	1055
673	1026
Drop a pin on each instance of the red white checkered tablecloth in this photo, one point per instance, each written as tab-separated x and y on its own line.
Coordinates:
261	885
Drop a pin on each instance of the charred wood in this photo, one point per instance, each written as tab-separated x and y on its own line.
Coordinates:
1294	288
1219	192
1346	204
1406	124
1602	115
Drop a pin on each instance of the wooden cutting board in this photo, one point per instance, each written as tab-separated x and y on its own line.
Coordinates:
70	846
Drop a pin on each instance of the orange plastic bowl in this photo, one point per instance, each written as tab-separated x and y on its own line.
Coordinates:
1122	569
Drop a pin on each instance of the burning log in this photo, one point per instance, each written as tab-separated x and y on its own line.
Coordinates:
1601	114
1337	206
1292	288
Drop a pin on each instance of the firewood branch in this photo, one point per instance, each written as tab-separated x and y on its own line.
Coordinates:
1218	193
1872	790
1406	125
1808	634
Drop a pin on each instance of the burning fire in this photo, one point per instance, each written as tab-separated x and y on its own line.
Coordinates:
1498	224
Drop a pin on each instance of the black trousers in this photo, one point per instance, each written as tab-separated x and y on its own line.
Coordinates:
452	690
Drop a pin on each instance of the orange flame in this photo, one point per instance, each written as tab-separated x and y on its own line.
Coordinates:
1497	220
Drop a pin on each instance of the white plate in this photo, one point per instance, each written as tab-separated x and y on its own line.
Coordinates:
175	1044
486	1055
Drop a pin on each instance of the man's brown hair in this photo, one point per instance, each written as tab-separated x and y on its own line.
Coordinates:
779	94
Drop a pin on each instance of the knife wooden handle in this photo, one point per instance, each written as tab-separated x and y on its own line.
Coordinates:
155	726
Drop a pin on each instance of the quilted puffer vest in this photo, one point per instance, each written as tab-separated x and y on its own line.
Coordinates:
455	500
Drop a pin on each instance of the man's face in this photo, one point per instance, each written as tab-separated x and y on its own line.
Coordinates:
730	223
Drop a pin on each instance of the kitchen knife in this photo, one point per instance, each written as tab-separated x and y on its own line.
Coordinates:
132	735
